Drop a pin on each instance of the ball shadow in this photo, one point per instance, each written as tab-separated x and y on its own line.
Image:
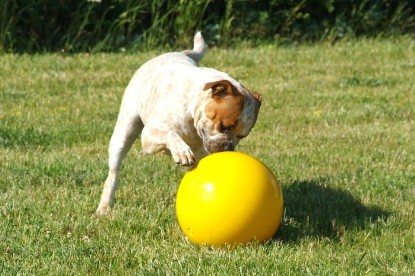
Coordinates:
313	209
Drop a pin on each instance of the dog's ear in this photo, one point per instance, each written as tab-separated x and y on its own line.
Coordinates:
257	96
220	88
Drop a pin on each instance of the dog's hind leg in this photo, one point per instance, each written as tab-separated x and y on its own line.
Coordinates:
128	126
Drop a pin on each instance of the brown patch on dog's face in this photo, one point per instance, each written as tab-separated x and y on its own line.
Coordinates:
225	107
227	121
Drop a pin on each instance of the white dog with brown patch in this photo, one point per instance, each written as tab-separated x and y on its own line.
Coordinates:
182	108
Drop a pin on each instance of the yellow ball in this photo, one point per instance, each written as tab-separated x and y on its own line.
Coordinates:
230	198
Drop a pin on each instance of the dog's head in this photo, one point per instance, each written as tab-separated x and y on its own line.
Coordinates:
228	115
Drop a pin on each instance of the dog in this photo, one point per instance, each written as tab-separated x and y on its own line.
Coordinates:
181	108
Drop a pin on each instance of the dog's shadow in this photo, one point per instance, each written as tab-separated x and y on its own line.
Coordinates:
313	209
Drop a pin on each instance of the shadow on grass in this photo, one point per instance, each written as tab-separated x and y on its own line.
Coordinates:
315	210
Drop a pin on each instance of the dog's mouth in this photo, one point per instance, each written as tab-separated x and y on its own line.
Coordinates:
217	143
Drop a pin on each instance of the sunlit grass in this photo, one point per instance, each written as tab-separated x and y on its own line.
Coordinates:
336	127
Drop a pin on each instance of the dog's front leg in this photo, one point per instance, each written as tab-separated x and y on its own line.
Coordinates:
157	138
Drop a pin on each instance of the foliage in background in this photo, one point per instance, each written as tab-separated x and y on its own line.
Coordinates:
95	25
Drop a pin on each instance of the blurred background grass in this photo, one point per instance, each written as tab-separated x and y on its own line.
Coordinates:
114	25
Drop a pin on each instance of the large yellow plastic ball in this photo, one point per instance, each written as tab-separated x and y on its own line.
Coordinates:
230	198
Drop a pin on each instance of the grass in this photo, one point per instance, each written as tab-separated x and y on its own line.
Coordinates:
336	127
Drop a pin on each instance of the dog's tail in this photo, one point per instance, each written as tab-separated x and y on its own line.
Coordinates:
199	48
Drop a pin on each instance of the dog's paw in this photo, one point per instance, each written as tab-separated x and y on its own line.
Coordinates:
183	157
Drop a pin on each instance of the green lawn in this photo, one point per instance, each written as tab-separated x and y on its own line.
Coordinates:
337	127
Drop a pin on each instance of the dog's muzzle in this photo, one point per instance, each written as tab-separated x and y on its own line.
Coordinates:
216	143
